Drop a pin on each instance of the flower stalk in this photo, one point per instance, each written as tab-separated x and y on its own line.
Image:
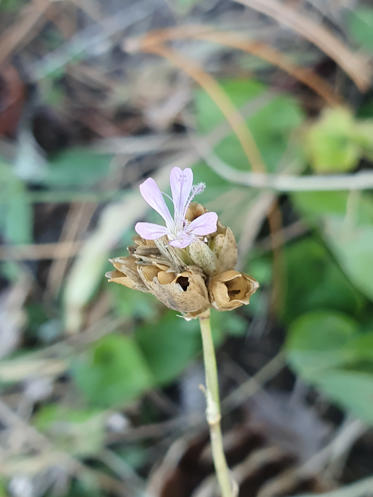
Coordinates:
213	414
188	265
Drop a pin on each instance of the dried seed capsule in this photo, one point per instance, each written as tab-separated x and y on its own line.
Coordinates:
224	246
231	289
185	292
202	256
126	273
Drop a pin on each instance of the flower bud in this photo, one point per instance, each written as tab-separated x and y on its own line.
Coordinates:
224	247
194	210
231	289
185	292
202	256
126	273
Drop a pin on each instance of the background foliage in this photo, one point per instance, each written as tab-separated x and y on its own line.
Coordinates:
97	380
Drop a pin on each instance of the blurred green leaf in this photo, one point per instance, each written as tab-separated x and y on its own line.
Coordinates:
271	124
319	340
77	167
16	216
352	390
11	4
168	345
133	304
350	238
360	26
328	349
134	455
112	372
315	281
86	485
314	205
329	142
353	247
226	323
338	140
185	5
19	219
74	431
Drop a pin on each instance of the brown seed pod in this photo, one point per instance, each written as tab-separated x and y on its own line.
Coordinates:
185	292
188	280
126	273
194	210
231	289
224	246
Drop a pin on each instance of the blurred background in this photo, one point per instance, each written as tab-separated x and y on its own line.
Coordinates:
271	103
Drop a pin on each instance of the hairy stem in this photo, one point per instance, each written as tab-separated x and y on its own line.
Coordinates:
213	414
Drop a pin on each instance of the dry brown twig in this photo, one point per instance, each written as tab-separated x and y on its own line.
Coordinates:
240	42
29	19
356	65
34	251
214	90
76	223
49	455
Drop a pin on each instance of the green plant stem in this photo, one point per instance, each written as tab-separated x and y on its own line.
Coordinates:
213	414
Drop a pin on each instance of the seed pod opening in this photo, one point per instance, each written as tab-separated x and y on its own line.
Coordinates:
185	292
231	289
125	273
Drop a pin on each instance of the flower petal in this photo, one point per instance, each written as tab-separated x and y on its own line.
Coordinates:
203	225
181	182
153	196
150	231
182	241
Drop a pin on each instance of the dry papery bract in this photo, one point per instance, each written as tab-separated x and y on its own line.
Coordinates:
189	280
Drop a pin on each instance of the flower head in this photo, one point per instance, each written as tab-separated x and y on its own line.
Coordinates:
178	229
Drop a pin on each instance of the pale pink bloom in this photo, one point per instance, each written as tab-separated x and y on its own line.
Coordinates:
179	231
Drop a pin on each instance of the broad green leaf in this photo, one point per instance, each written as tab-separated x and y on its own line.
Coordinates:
330	142
113	372
328	350
168	345
352	390
353	247
270	124
78	432
319	340
338	140
77	167
314	205
349	237
360	26
314	281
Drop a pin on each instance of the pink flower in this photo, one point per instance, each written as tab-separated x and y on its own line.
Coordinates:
179	231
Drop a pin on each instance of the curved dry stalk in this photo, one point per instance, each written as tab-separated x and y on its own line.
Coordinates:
353	63
261	50
220	97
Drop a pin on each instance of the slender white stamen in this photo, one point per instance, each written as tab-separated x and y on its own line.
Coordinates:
196	189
